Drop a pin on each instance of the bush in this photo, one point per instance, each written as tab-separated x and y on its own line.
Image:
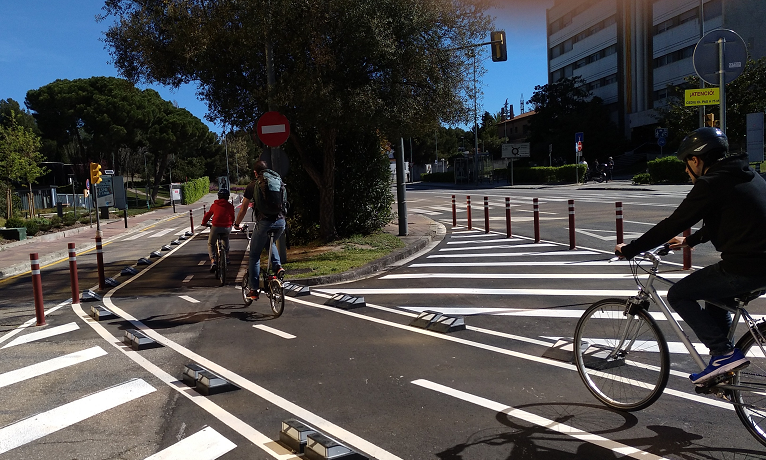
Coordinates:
447	176
43	224
55	221
667	169
14	222
32	227
642	178
546	174
193	190
69	219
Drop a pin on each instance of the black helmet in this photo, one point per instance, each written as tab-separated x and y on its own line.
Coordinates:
223	194
708	143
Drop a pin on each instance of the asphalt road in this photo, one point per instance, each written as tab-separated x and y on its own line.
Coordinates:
361	374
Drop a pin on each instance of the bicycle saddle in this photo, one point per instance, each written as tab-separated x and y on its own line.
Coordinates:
748	296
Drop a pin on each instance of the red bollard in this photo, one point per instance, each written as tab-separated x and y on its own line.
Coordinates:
191	220
687	252
73	274
37	287
571	225
100	261
618	210
468	207
508	217
486	215
536	213
454	212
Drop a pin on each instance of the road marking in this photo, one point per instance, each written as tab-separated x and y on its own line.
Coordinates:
500	246
613	237
35	370
514	276
498	240
282	334
251	434
466	291
202	262
206	444
43	424
517	254
30	322
189	299
423	211
187	279
138	235
44	334
614	446
523	264
162	233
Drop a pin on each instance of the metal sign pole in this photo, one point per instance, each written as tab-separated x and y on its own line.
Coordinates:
722	83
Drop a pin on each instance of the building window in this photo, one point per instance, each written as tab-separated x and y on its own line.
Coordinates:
674	56
712	9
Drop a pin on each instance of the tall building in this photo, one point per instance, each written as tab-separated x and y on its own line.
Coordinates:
630	51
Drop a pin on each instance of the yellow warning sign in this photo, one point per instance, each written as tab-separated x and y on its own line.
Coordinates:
702	96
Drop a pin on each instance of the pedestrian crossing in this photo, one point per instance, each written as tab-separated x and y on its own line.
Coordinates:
36	426
156	233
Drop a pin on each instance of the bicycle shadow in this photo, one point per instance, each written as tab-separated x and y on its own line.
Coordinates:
221	312
527	441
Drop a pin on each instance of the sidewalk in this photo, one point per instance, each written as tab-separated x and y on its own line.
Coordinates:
14	257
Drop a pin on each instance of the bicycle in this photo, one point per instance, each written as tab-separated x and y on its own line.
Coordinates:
624	361
271	284
220	258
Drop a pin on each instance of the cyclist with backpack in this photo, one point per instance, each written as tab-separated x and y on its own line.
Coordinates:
222	214
267	193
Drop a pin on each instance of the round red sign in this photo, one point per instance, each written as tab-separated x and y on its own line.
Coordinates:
273	129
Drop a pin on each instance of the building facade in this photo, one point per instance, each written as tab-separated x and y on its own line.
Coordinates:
630	51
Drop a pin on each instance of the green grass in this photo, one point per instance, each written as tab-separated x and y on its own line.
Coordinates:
340	256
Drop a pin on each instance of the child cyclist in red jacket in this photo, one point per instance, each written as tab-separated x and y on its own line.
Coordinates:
222	213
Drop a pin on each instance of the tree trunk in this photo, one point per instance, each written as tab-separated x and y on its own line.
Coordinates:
324	180
31	202
158	176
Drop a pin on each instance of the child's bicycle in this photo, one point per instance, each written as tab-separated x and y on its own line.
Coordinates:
271	284
220	258
623	356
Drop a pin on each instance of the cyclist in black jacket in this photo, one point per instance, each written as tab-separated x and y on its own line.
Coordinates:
730	199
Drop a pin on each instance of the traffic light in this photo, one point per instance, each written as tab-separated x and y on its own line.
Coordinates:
499	51
95	173
710	120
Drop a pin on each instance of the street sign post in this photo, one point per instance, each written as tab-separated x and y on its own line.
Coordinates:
662	137
273	129
514	151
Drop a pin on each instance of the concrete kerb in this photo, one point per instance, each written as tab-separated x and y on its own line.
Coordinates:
56	256
414	245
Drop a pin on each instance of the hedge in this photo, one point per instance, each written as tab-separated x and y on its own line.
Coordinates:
193	190
534	175
667	169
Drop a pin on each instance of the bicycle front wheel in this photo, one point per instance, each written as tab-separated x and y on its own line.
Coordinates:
276	297
246	289
622	359
750	405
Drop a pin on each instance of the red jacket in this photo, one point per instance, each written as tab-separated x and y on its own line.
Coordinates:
222	213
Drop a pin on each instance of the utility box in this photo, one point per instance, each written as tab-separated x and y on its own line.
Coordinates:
14	233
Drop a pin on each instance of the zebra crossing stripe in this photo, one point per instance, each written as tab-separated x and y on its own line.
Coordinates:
526	276
51	365
522	264
162	233
600	293
44	334
206	444
503	246
45	423
517	254
137	235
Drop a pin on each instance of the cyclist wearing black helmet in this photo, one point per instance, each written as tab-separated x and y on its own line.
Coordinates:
222	213
730	199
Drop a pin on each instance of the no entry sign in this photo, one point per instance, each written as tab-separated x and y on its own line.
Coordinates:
273	129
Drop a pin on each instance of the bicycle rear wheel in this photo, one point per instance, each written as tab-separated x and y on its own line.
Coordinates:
751	405
622	359
276	296
221	263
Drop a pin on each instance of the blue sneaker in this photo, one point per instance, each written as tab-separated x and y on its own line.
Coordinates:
720	365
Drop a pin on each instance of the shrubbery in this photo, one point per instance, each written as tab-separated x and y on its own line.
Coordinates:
667	169
193	190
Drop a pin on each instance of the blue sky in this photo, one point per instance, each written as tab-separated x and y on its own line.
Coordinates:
45	40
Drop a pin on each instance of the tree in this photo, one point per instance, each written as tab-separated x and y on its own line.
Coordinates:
19	159
564	108
339	65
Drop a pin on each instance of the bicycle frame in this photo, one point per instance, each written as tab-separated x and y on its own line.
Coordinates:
648	291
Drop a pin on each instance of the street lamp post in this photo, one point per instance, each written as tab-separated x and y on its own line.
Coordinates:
146	183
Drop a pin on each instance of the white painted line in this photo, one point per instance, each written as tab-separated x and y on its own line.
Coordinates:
499	246
516	254
525	276
31	321
40	425
423	211
44	334
616	447
206	444
318	422
498	240
466	291
251	434
162	233
189	299
523	264
51	365
137	235
282	334
187	279
202	262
